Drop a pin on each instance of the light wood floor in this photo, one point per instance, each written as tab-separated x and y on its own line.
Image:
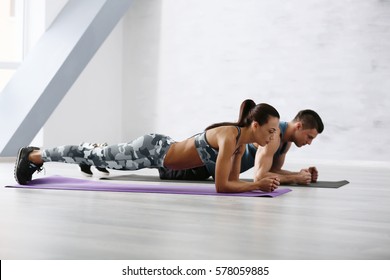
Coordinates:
352	222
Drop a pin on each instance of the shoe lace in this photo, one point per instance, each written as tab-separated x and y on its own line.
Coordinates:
40	169
37	168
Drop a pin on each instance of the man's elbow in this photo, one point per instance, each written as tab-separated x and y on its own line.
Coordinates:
258	176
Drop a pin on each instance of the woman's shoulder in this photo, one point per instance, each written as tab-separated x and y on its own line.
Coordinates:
223	134
225	131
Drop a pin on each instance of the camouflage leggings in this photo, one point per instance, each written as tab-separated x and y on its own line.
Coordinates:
147	151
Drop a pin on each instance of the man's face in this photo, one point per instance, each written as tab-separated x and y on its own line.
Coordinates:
305	136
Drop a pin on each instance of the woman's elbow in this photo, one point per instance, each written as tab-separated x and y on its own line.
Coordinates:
221	188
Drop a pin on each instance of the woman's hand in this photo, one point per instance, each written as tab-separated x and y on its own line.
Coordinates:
269	184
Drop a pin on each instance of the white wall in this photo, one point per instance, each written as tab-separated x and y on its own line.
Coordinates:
329	55
39	14
34	27
91	110
189	63
142	26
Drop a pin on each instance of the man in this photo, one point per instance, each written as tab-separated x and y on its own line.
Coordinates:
269	160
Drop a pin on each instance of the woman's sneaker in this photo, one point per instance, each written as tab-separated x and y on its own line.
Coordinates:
103	170
86	169
24	168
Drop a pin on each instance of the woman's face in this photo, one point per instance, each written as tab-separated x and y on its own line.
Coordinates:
266	133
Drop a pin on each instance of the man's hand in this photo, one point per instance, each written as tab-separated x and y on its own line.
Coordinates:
314	174
304	177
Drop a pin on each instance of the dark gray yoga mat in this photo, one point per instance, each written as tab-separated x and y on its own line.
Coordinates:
325	184
151	178
64	183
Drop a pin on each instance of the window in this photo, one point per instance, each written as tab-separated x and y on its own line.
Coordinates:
11	37
22	22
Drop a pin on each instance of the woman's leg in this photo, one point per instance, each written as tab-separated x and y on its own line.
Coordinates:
144	152
86	168
147	151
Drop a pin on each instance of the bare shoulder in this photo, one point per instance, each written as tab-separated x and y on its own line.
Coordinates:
222	136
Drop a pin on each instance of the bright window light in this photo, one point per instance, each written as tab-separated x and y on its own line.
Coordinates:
11	38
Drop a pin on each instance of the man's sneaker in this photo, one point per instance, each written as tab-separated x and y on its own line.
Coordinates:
24	168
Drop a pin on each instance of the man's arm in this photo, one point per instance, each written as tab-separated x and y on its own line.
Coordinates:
264	160
266	165
302	177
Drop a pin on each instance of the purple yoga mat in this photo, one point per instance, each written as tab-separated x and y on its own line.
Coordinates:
64	183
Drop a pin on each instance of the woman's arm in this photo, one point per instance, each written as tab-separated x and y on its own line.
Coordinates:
236	164
226	171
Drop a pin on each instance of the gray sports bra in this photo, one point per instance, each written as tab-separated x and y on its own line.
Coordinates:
208	154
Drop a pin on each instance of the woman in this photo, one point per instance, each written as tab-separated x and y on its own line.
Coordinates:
222	144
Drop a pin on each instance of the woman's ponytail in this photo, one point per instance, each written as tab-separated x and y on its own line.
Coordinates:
250	112
244	119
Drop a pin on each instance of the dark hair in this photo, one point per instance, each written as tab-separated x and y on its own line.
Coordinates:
309	120
250	112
